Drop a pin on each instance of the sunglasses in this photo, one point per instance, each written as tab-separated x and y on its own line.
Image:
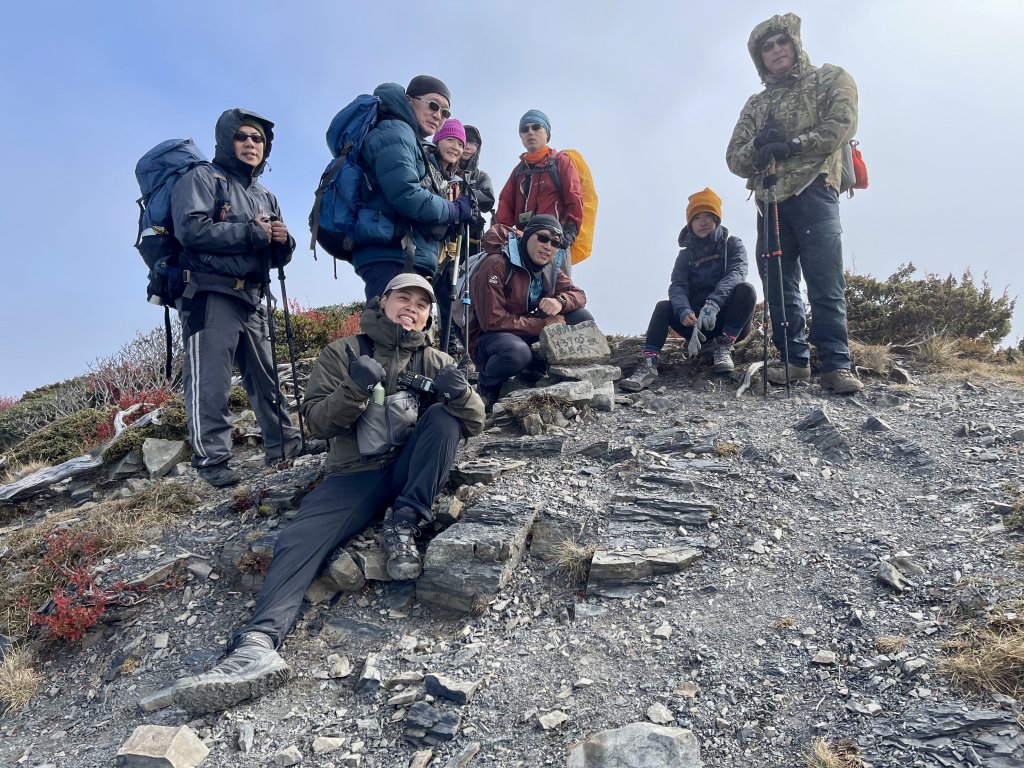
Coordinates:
780	41
531	127
433	106
241	138
545	239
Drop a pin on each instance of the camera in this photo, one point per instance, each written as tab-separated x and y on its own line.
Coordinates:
416	382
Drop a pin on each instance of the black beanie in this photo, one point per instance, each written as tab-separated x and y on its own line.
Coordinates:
543	221
421	85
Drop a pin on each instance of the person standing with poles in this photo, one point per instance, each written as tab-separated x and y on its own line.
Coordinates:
227	258
801	120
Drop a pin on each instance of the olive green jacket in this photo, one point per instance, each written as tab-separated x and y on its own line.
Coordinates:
818	105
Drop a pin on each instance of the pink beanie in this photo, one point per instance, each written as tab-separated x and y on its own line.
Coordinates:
452	129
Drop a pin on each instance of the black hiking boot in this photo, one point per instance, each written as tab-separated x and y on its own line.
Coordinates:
646	373
399	539
251	670
220	475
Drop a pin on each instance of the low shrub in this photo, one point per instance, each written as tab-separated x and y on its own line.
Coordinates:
314	329
61	440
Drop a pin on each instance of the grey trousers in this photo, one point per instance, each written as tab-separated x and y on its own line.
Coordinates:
220	332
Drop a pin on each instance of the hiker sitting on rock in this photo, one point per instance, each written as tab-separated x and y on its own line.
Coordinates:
518	289
231	234
377	462
708	298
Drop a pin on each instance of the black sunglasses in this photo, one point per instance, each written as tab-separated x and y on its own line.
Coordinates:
243	137
767	45
545	239
433	106
531	127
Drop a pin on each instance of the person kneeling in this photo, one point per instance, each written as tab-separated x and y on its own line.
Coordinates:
518	289
383	455
708	275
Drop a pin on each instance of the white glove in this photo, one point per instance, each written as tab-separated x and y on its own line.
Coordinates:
708	316
695	341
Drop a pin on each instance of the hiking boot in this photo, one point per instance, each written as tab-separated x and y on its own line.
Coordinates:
722	352
220	475
399	539
489	396
777	373
252	669
294	450
646	373
841	381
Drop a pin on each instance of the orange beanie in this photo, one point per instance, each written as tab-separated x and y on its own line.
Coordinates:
705	201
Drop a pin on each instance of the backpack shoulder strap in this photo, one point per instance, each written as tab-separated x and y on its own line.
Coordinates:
365	344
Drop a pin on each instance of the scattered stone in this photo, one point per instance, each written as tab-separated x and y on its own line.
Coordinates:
373	563
829	441
818	418
824	658
482	470
658	509
595	374
875	424
463	757
660	714
246	736
290	755
427	724
603	450
552	719
574	344
340	669
449	510
889	575
370	677
324	744
688	689
544	446
901	375
569	391
160	456
157	746
130	464
604	398
532	424
547	537
422	758
669	441
638	745
342	574
157	700
459	691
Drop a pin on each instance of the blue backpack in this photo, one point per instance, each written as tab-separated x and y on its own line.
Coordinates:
340	195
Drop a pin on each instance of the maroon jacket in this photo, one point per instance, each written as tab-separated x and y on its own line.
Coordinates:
565	204
500	287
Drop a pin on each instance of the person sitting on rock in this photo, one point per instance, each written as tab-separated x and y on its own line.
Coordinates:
708	297
365	475
518	289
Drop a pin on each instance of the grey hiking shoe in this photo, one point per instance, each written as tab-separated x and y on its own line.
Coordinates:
252	669
841	381
722	351
220	475
646	373
777	373
399	539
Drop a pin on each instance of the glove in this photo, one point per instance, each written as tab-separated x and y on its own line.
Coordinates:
364	371
695	341
460	209
779	150
708	316
451	383
772	132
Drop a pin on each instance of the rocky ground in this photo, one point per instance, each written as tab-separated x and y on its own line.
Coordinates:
750	556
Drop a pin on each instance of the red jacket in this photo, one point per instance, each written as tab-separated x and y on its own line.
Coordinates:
500	287
565	204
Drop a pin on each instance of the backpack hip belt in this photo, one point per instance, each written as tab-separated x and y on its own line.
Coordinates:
235	283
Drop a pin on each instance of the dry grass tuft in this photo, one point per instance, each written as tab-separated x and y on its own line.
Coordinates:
534	404
113	526
990	657
845	754
940	352
725	448
890	643
574	558
874	357
784	622
1014	520
16	473
18	680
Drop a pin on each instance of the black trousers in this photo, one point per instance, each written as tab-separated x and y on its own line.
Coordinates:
734	318
342	506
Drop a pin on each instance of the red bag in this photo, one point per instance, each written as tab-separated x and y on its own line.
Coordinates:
860	168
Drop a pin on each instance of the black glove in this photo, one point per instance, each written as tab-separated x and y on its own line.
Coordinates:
451	383
460	209
779	150
772	132
364	371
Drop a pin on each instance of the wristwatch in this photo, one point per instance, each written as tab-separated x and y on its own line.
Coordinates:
795	145
561	298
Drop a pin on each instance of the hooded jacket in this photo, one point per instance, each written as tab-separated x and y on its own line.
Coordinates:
817	105
542	196
404	195
479	182
333	403
215	208
500	287
706	268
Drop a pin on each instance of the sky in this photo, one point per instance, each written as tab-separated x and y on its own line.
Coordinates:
647	91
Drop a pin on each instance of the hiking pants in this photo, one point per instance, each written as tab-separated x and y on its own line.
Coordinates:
501	355
811	240
377	274
219	331
734	319
341	506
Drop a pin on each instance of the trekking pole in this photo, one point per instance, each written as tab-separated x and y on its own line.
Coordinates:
446	332
465	299
774	250
273	354
291	355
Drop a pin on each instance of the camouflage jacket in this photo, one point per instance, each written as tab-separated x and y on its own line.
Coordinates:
818	105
